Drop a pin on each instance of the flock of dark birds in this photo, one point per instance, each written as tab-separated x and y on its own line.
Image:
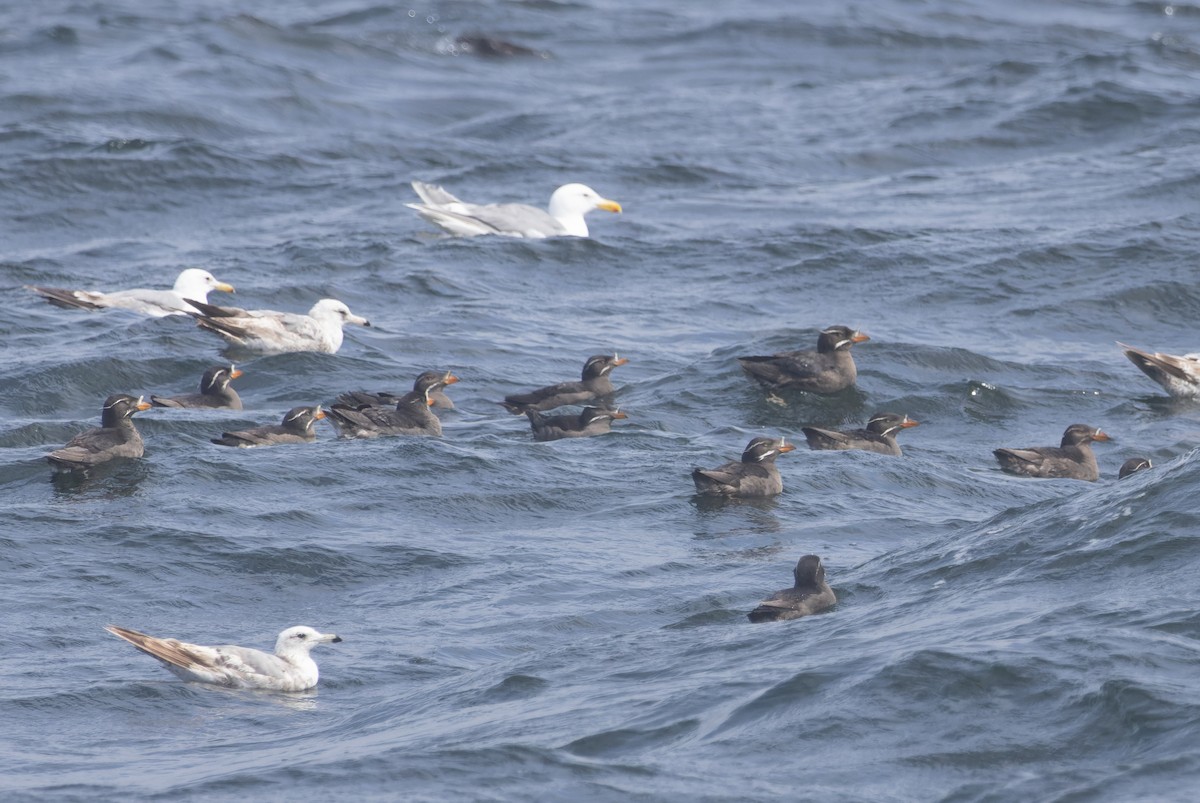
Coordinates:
827	370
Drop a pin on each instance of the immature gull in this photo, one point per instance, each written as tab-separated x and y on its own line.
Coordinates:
297	427
755	475
271	332
291	668
1178	375
594	383
115	437
193	283
214	391
568	205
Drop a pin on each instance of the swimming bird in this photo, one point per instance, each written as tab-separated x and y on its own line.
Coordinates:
594	384
810	594
291	668
827	370
879	435
591	421
754	476
1133	465
115	437
493	47
296	427
271	332
214	391
564	217
387	398
1072	460
193	283
410	416
1179	376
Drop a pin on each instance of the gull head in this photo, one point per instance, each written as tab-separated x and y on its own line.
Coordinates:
332	309
197	283
579	199
301	639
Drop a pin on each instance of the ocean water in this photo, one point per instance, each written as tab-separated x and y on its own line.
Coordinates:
996	193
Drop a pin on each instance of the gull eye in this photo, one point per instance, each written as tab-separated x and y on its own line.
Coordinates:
301	636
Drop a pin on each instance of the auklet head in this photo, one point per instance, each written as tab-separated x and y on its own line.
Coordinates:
430	381
1079	434
600	364
765	450
119	407
888	423
1134	465
301	419
217	378
839	337
809	572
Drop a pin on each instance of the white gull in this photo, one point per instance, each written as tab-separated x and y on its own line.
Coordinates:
271	332
291	668
568	205
193	283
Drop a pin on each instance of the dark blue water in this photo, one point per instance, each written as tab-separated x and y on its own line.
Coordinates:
994	192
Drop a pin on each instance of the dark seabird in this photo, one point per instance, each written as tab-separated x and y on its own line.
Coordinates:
592	421
879	435
595	384
827	370
214	391
1179	376
1133	465
1072	460
493	47
810	594
115	437
296	427
410	416
386	398
754	476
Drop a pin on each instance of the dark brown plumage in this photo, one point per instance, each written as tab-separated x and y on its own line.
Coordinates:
827	370
755	475
1072	460
386	398
1133	465
879	435
410	416
810	594
115	437
296	427
214	391
595	384
591	421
